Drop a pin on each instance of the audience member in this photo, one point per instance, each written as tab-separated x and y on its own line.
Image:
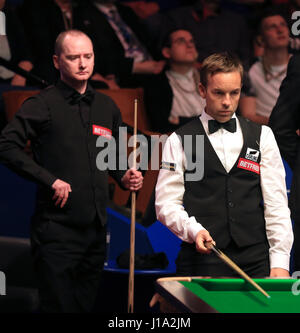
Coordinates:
287	9
13	48
214	29
172	98
43	21
268	72
120	42
14	51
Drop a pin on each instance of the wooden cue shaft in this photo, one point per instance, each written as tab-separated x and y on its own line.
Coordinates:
132	224
175	278
235	267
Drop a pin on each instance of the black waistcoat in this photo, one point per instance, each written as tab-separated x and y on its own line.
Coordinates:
68	150
228	205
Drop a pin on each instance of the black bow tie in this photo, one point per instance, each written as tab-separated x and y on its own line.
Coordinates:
214	125
86	97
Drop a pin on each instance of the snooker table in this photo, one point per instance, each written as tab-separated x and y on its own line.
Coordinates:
226	295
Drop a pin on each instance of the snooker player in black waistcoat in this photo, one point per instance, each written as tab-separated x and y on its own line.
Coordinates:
238	199
63	123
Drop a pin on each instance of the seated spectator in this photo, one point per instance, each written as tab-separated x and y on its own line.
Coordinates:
13	48
214	29
268	72
120	42
172	97
43	21
14	54
287	8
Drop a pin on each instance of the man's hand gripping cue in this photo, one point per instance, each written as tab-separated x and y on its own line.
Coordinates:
203	239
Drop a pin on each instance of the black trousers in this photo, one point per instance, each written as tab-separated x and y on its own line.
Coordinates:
254	260
296	245
68	263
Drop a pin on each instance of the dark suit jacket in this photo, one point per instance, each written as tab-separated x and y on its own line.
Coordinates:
42	22
158	96
285	120
109	52
16	37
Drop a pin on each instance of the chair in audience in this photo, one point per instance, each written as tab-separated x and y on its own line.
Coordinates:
124	98
21	294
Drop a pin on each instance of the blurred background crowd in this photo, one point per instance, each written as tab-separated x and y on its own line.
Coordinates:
156	45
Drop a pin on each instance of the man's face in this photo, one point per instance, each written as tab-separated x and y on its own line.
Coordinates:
274	32
222	95
182	49
76	60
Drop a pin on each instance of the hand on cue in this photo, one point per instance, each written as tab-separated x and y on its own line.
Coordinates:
132	180
203	239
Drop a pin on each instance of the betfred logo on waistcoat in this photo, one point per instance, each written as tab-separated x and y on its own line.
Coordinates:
102	131
248	165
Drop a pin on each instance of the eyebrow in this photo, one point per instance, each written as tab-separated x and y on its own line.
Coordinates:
274	24
76	54
221	90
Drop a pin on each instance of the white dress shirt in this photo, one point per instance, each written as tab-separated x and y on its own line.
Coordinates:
266	92
170	188
187	101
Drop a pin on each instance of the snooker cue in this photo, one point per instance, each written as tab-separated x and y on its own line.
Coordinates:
132	224
235	267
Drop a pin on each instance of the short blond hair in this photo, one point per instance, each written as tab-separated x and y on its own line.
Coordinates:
220	63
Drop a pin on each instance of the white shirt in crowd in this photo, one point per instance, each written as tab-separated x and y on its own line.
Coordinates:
187	101
266	92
